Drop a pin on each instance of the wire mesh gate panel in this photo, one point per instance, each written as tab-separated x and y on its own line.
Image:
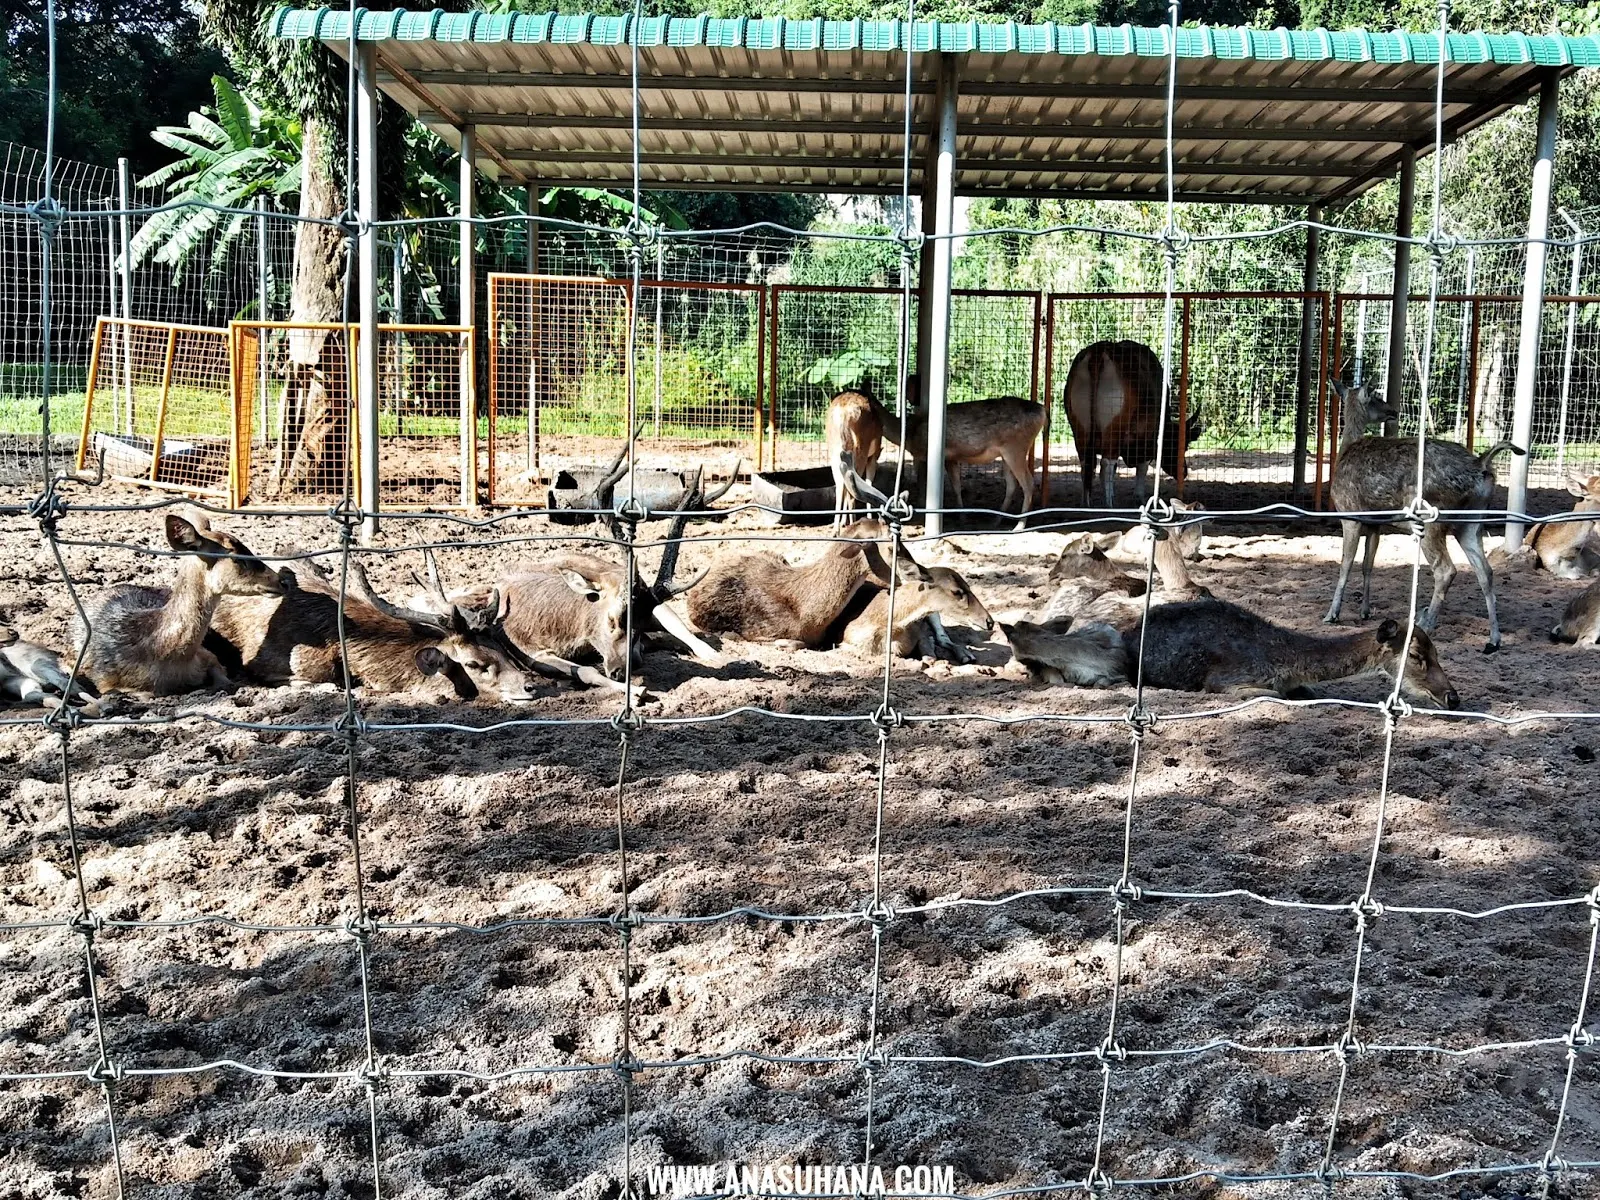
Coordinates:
159	407
826	338
1473	373
299	441
558	350
1246	403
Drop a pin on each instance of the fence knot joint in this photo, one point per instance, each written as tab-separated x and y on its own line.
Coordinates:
105	1073
886	717
347	515
88	924
1139	720
1347	1045
360	929
1109	1051
49	215
872	1061
628	722
47	508
878	913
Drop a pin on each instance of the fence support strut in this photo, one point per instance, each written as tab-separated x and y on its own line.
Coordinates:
531	464
1532	300
367	274
1310	306
936	385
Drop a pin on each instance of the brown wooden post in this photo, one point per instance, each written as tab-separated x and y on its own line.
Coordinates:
161	406
88	391
1472	372
761	373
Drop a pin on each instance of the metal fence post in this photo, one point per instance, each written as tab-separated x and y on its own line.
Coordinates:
1469	313
124	194
263	300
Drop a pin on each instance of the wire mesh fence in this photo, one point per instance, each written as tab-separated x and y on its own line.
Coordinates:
136	1043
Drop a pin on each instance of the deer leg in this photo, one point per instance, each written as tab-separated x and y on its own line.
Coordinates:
1437	553
1088	480
1352	535
1471	539
839	490
1022	474
1108	476
1367	561
1139	488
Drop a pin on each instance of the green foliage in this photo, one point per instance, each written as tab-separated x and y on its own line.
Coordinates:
846	369
229	156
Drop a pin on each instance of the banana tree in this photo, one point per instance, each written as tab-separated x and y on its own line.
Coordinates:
229	156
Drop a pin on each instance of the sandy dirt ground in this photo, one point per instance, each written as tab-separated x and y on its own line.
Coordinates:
188	820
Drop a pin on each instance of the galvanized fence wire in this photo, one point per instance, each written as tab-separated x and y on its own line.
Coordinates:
875	1058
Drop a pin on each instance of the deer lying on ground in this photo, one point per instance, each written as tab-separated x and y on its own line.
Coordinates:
31	674
855	436
1580	622
924	597
1113	402
976	432
575	606
150	639
1570	549
1375	474
1212	646
1084	557
295	639
1056	651
1092	588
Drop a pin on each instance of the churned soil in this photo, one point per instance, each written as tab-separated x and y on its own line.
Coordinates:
197	832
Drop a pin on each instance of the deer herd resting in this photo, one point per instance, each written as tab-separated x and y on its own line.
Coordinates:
228	619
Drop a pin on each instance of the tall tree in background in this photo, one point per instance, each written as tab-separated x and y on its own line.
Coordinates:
123	69
309	80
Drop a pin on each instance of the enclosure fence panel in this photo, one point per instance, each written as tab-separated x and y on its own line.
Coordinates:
557	381
1474	373
158	407
1245	402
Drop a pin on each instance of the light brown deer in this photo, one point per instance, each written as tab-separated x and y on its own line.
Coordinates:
975	432
150	639
855	436
924	598
1580	622
1570	549
1090	654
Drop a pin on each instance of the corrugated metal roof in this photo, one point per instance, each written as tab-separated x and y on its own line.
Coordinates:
782	33
1072	110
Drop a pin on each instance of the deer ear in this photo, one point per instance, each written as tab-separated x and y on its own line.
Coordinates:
182	535
1389	632
584	587
430	660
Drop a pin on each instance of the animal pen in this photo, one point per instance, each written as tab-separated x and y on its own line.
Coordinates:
435	1010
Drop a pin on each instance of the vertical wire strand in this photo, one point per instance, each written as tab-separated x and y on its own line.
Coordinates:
348	516
1365	907
46	214
1124	891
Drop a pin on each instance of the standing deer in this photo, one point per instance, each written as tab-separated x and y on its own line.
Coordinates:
150	639
1113	402
855	436
976	432
1379	474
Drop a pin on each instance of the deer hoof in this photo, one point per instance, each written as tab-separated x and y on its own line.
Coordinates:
1492	646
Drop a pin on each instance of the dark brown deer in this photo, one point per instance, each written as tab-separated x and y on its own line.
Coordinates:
1379	474
1113	402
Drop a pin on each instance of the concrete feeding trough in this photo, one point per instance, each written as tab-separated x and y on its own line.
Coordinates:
131	455
806	495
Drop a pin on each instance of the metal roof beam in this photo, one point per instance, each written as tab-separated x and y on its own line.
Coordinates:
893	189
969	164
1354	93
1381	135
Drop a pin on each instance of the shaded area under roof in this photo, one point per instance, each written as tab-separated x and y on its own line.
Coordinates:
1068	111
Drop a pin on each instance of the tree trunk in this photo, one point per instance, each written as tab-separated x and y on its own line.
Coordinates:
316	431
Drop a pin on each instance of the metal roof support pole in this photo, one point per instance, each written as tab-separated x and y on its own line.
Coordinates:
936	384
930	170
1306	384
468	306
1544	161
1394	370
531	205
367	281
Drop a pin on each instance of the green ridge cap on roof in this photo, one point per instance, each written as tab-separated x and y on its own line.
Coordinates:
959	37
